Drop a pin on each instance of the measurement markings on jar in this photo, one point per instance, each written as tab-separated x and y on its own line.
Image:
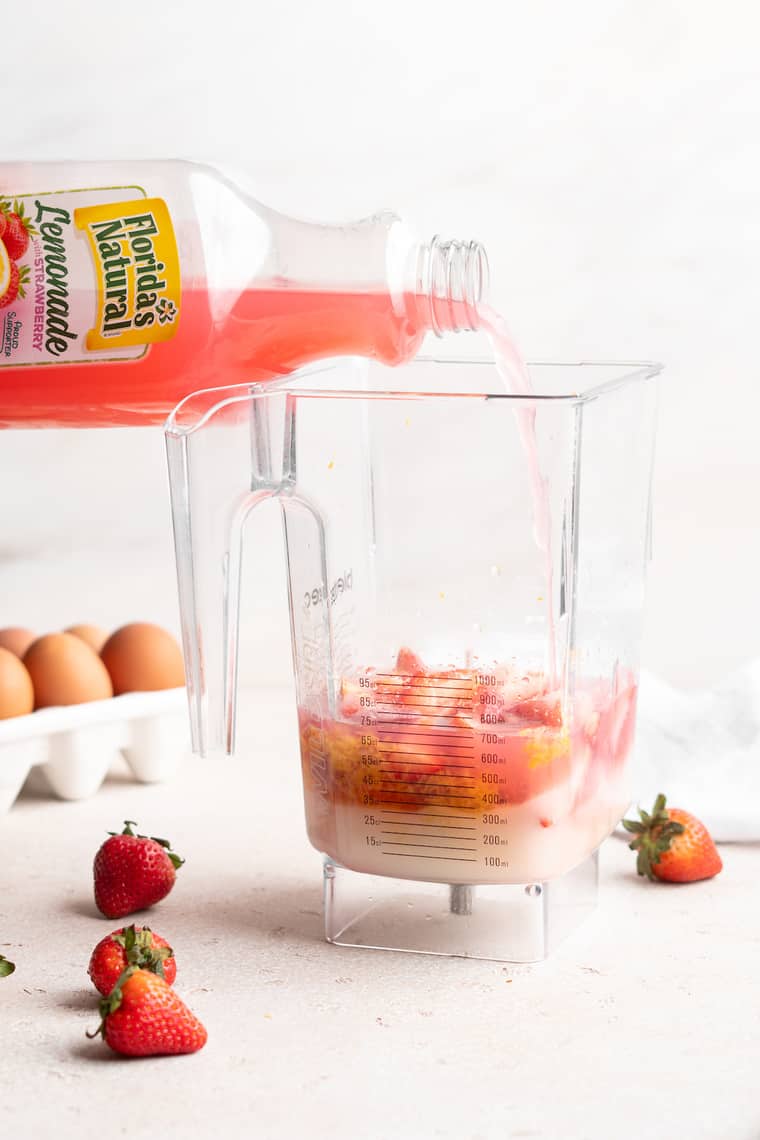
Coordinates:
419	764
414	739
408	680
425	763
399	696
396	823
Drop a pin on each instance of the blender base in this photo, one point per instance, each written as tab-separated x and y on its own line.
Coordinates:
500	923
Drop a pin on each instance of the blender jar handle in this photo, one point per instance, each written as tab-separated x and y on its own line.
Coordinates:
218	445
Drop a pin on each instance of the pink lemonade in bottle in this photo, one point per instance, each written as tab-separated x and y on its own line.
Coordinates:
126	287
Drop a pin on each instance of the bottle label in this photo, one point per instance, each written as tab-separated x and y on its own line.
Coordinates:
86	275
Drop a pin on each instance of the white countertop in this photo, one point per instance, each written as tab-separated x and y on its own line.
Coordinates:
644	1023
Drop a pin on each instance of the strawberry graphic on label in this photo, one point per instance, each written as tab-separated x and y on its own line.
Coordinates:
13	279
17	230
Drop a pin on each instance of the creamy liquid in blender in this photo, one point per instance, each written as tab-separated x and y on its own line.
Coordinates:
465	775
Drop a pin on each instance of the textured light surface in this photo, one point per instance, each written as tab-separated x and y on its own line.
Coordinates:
307	1039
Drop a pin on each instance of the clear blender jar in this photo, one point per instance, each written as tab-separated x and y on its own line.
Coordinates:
465	636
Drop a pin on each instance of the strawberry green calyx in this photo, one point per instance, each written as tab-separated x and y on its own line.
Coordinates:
6	967
653	836
176	860
111	1003
140	952
128	825
19	210
24	279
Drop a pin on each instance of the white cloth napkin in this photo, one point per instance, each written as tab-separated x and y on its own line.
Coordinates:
702	750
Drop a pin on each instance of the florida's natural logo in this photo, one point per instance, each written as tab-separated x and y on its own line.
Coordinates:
135	256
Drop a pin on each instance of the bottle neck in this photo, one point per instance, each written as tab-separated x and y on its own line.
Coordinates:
452	283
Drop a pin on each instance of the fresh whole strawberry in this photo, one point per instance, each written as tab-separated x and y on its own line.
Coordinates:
18	229
130	946
143	1017
19	278
132	872
673	845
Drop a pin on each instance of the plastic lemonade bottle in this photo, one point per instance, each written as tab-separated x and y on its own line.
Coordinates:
126	286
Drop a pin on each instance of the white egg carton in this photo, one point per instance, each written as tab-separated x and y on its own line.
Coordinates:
73	747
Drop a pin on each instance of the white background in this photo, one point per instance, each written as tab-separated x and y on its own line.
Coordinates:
608	155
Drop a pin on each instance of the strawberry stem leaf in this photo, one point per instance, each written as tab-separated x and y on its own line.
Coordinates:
653	836
177	860
6	967
140	951
111	1003
633	825
128	825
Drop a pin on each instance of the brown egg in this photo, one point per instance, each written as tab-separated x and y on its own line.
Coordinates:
91	635
142	657
65	671
16	689
16	639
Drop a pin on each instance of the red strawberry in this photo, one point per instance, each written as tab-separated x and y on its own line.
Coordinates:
133	872
673	845
410	663
18	229
545	709
6	967
19	278
130	946
143	1017
3	223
